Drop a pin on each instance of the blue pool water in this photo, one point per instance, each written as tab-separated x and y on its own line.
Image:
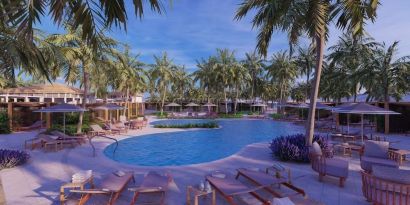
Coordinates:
196	146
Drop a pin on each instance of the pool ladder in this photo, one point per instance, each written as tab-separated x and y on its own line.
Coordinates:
103	136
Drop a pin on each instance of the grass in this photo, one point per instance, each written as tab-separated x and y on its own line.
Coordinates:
191	125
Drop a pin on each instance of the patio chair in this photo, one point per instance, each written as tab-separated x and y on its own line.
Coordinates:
328	166
120	127
386	186
37	141
137	124
376	153
111	185
36	125
153	183
98	130
230	188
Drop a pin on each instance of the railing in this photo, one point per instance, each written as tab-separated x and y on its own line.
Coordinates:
103	136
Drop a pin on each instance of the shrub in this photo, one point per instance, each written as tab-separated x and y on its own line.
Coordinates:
4	123
190	125
293	147
276	116
163	116
223	115
12	158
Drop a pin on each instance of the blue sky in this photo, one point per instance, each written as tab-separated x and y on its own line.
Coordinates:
192	29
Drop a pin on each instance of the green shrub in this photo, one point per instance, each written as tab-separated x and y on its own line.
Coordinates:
190	125
4	123
223	115
161	116
12	158
276	116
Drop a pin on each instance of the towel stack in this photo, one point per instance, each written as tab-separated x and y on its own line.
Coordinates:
81	176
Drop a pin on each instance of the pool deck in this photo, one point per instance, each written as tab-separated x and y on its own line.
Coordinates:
38	181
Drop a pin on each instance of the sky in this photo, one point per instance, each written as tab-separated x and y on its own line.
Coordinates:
192	29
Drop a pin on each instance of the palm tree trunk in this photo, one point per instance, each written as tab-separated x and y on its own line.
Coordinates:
80	120
236	99
310	127
226	102
163	101
386	117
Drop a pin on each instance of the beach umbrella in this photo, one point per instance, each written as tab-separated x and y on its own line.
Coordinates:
209	105
261	105
364	109
321	106
348	115
172	105
109	107
192	105
61	108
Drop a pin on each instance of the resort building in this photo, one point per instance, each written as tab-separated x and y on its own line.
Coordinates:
43	93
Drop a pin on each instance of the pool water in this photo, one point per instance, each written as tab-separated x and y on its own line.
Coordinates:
196	146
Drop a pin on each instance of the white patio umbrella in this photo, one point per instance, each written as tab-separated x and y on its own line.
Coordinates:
109	107
364	109
192	105
261	105
61	108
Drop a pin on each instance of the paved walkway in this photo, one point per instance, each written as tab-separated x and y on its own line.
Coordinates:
38	181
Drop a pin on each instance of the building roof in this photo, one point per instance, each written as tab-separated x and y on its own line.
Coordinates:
43	89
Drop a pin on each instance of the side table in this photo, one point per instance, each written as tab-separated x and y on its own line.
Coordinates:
198	193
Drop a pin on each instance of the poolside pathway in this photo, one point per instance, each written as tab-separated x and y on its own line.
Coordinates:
38	182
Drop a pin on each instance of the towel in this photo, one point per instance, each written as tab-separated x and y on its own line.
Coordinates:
282	201
81	176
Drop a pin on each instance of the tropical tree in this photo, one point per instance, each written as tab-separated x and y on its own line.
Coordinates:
385	74
83	60
129	74
254	63
310	17
92	16
181	83
162	72
224	67
305	62
206	76
283	72
240	80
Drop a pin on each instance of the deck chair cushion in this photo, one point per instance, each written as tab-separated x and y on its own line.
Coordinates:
337	167
316	150
377	149
392	174
368	162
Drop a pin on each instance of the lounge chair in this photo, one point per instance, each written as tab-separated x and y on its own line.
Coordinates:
112	185
264	179
120	127
387	186
36	125
46	141
230	188
328	166
153	183
376	153
98	130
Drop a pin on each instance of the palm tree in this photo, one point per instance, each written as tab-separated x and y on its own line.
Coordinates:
162	73
240	80
181	83
225	62
305	62
254	63
310	17
91	16
206	76
128	74
346	56
385	75
283	72
83	60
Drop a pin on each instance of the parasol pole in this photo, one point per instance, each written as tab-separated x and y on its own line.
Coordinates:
362	126
64	122
348	122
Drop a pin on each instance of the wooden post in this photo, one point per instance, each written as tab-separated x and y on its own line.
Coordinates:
337	121
48	118
10	114
106	115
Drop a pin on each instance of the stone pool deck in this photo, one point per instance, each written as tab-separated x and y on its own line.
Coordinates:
38	181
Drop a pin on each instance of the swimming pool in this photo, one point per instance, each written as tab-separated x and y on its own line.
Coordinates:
196	146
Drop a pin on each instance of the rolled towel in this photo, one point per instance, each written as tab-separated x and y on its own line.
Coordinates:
81	176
